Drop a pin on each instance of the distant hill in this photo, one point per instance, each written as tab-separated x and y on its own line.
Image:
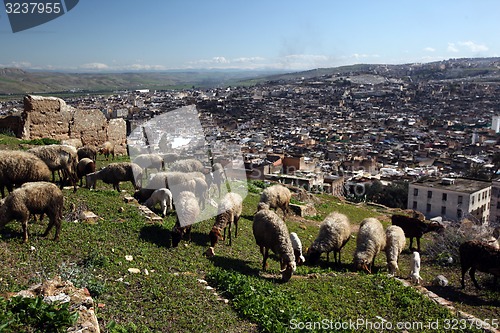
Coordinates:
17	81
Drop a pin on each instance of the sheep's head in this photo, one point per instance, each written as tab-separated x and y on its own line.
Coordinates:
362	265
313	255
262	206
214	236
287	270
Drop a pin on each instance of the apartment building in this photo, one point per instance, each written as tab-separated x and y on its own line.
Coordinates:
451	198
495	203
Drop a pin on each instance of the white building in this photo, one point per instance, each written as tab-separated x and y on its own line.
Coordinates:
495	203
495	124
452	199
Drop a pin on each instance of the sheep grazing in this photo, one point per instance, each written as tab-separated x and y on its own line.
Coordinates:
18	167
277	196
34	198
370	241
334	233
149	161
480	256
189	165
395	243
415	268
59	157
415	228
163	196
297	248
115	173
107	148
270	232
229	212
87	152
187	212
84	167
143	194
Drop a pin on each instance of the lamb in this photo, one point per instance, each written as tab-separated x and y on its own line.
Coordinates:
277	196
115	173
229	212
18	167
477	255
107	149
163	196
334	233
84	167
34	198
149	161
187	212
370	241
297	248
59	157
87	152
270	232
415	228
415	268
188	165
395	243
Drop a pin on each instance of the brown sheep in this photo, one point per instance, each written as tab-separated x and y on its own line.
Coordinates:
34	198
84	167
415	228
107	149
18	167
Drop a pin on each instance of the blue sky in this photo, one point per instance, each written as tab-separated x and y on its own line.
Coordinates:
123	35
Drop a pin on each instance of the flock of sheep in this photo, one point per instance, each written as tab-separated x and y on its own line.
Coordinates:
185	188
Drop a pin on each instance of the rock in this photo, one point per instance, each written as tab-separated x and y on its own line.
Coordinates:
128	199
304	210
134	270
129	258
88	217
440	281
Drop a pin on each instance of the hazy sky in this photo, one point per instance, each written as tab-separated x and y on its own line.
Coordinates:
253	34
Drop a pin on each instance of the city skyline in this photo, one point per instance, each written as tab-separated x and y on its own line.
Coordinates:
293	35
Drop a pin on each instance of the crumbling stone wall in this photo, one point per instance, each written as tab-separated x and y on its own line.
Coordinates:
51	117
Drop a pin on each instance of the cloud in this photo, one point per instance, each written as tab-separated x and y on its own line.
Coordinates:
94	66
142	67
429	49
452	48
17	64
473	46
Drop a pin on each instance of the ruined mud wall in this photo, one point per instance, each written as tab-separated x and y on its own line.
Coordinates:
50	117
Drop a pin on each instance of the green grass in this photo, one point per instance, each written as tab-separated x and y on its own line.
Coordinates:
170	297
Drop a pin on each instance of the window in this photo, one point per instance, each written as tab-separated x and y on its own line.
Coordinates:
443	210
428	208
445	196
459	213
472	199
429	194
460	199
498	204
415	205
415	192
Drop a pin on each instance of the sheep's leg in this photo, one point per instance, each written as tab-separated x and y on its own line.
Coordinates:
118	187
230	240
25	229
418	243
236	226
265	254
328	256
464	270
52	221
411	243
472	274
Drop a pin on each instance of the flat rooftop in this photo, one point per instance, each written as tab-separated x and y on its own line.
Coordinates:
463	185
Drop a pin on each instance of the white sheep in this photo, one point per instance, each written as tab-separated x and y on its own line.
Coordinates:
395	243
216	177
187	210
334	233
370	241
297	248
415	268
114	173
270	232
18	167
277	196
163	196
228	212
30	199
149	161
188	165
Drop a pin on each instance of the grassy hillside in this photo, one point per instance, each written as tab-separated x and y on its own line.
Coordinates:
167	296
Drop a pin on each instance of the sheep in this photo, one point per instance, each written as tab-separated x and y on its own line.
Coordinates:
370	241
18	167
163	196
415	268
170	158
107	148
187	210
334	233
270	232
87	152
216	177
277	196
149	161
477	255
114	173
201	191
415	228
59	157
84	167
395	243
297	248
34	198
143	194
188	165
229	212
181	181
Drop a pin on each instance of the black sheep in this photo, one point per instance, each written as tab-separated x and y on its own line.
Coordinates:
414	227
480	256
